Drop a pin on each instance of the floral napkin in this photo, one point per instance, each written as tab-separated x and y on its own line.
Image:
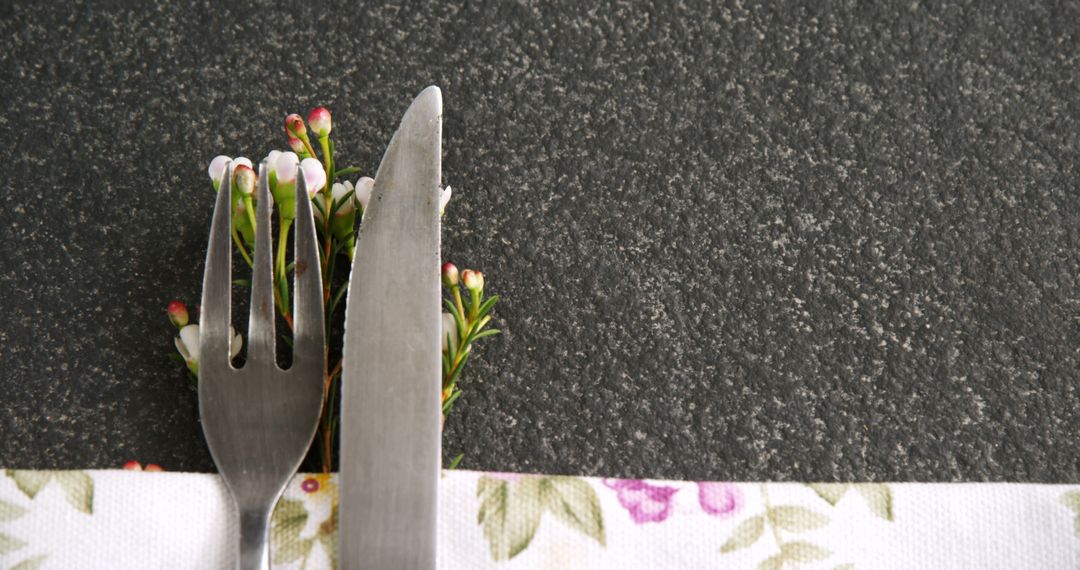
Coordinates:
127	519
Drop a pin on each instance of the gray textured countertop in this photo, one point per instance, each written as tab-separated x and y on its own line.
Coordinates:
763	243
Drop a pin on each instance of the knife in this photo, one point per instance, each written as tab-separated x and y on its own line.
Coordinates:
391	376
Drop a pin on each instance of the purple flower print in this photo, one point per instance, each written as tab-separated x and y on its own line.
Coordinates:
645	502
719	499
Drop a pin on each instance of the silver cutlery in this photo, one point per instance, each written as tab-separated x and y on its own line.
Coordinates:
391	379
259	420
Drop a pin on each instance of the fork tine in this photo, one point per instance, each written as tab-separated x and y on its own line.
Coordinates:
217	285
261	343
308	322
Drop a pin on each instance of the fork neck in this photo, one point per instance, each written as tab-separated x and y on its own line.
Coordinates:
254	539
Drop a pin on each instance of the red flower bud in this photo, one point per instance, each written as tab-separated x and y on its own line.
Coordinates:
297	146
319	119
153	467
178	314
294	126
450	275
245	179
132	466
473	280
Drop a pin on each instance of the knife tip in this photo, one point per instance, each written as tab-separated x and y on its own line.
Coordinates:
428	102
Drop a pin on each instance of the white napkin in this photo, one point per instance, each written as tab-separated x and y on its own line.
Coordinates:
139	520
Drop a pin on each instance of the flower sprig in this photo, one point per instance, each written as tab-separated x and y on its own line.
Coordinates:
338	205
463	324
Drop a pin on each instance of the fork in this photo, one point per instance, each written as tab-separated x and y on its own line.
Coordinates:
259	420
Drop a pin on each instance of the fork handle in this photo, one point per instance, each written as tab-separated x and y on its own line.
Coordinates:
254	546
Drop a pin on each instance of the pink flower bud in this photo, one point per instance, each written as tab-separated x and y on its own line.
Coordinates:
314	175
294	127
285	166
178	314
153	467
364	187
450	276
297	145
271	158
244	179
217	168
132	466
473	280
319	119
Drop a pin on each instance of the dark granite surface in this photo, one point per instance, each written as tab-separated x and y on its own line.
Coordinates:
733	243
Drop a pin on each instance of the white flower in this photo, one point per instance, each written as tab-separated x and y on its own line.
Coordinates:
444	199
314	175
241	160
217	168
449	329
364	186
285	165
271	159
187	344
337	192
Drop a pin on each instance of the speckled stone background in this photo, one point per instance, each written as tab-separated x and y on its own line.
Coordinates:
779	242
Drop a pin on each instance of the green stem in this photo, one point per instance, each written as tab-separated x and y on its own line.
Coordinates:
250	207
240	246
279	265
456	290
768	519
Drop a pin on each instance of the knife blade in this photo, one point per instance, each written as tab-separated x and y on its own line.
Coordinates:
391	376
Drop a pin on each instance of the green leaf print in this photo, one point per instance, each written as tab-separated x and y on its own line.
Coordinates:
1072	500
772	563
831	492
878	497
287	522
802	552
574	502
78	488
10	511
796	519
747	533
9	543
510	514
30	482
30	563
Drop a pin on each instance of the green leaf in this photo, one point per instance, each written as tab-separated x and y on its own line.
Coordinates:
482	334
319	206
831	492
9	544
747	533
452	309
772	563
449	403
10	511
346	171
242	282
287	522
461	366
456	461
878	497
1072	500
574	502
78	488
30	482
510	514
802	552
487	305
796	519
30	563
